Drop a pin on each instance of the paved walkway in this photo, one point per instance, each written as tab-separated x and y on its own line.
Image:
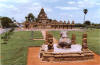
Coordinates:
33	59
44	36
48	29
4	30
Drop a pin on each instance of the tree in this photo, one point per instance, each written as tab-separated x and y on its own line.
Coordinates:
31	17
6	21
85	12
87	23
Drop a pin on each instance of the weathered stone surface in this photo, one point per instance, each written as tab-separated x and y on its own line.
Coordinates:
42	22
64	41
67	56
63	52
49	41
84	41
73	41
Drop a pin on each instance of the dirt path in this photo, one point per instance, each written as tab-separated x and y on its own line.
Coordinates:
33	59
44	34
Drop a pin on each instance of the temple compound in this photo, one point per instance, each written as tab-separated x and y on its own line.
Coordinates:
43	22
66	49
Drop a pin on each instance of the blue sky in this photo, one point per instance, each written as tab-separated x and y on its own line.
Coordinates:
55	9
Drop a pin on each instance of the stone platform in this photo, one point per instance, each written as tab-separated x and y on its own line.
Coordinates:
33	59
66	54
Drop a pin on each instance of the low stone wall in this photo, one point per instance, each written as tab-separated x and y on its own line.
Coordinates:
57	57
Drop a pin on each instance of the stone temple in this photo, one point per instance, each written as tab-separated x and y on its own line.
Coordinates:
66	49
42	22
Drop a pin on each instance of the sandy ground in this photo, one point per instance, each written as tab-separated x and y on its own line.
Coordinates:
33	59
44	34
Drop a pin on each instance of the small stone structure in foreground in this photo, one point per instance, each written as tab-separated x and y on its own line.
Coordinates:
66	49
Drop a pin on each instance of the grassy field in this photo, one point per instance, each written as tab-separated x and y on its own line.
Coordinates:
15	51
37	35
93	38
56	34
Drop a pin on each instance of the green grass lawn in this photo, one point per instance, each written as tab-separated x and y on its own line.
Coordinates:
37	35
56	34
15	51
93	38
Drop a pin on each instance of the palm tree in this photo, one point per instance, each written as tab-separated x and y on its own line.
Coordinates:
85	12
31	17
26	18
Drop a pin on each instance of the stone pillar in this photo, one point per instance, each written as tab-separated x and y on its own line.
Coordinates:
50	46
50	43
67	26
73	41
84	41
71	26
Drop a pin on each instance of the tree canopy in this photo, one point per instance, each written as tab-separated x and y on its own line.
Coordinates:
87	22
30	17
6	22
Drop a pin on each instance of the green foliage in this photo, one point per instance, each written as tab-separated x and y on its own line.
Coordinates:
37	35
93	38
6	22
31	17
87	23
15	52
56	34
6	36
85	11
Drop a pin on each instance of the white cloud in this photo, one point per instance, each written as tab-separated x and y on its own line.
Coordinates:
67	8
4	6
36	3
85	3
50	0
97	3
21	1
15	1
3	0
71	2
48	9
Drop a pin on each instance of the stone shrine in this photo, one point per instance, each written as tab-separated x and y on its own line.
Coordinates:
66	49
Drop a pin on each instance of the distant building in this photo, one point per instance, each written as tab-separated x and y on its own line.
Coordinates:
42	21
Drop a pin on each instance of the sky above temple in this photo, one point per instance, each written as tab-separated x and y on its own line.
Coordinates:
55	9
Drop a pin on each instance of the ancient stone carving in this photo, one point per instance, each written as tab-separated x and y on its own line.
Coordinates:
73	39
84	41
49	41
64	41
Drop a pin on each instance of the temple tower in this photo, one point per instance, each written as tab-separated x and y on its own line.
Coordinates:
42	14
42	17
